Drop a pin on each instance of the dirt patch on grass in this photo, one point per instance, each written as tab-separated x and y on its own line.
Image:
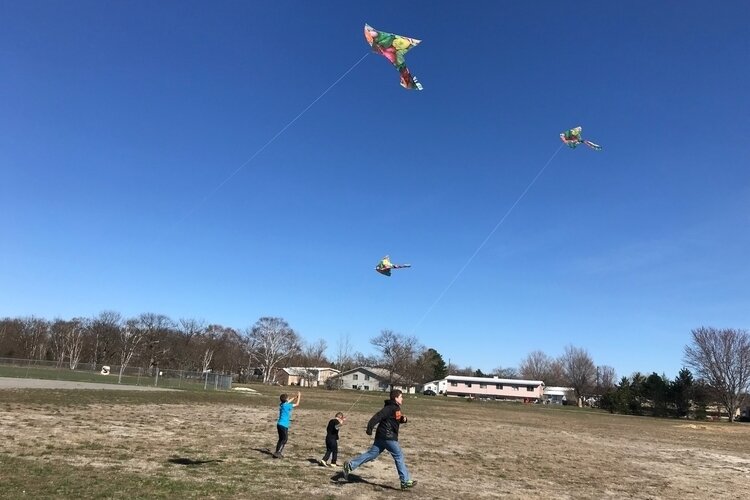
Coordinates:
32	383
453	448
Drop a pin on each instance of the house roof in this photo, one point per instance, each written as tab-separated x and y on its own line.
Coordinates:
379	373
301	371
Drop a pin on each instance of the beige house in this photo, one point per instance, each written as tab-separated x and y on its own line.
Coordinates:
367	378
305	377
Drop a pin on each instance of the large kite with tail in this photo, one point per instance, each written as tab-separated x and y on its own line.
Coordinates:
573	138
394	48
384	266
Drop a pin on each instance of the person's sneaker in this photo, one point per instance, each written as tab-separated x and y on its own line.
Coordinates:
405	485
331	464
347	470
323	462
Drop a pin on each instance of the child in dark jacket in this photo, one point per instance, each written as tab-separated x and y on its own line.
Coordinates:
332	441
388	421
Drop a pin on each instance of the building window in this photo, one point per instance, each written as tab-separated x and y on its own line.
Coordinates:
530	389
500	386
355	377
482	386
367	377
467	384
354	386
454	384
367	387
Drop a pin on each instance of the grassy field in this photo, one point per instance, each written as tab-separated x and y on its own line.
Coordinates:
107	444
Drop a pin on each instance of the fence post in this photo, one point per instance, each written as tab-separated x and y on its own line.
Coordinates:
156	380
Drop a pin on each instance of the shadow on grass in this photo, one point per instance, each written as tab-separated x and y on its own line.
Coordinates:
265	451
190	461
338	478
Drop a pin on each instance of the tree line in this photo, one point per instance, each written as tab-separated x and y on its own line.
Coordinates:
152	341
720	358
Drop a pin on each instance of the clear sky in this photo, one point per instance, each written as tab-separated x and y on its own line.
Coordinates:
122	124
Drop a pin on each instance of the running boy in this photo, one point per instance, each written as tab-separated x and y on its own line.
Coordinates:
386	438
285	419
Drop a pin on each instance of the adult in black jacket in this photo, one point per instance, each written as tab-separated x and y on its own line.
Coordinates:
388	421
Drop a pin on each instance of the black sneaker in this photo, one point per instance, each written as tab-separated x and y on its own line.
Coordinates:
347	470
405	485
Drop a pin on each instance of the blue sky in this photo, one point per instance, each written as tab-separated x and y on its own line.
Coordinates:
121	122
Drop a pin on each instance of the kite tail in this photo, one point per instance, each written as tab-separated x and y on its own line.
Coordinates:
401	266
593	146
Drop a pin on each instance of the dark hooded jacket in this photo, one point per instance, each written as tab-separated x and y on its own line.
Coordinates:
388	420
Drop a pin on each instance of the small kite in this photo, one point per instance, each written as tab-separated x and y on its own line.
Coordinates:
573	138
384	266
394	47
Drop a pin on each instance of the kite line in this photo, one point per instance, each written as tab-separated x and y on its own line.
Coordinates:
269	142
481	245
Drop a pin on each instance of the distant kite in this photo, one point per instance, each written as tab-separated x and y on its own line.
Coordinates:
394	47
384	266
573	138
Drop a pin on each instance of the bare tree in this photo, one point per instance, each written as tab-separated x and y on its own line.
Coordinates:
130	337
57	340
313	357
508	372
580	370
556	376
270	342
190	327
605	379
104	332
228	355
536	366
722	358
210	339
344	356
76	337
66	340
34	337
398	353
360	359
155	330
315	353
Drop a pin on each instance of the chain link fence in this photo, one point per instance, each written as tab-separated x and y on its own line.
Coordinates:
110	374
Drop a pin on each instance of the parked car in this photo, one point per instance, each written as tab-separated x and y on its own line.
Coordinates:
429	392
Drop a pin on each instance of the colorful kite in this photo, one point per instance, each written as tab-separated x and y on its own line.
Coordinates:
384	266
573	138
394	47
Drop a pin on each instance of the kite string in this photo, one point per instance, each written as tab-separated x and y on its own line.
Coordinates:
270	141
355	402
479	248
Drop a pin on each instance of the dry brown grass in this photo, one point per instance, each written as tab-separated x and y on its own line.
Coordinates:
102	444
